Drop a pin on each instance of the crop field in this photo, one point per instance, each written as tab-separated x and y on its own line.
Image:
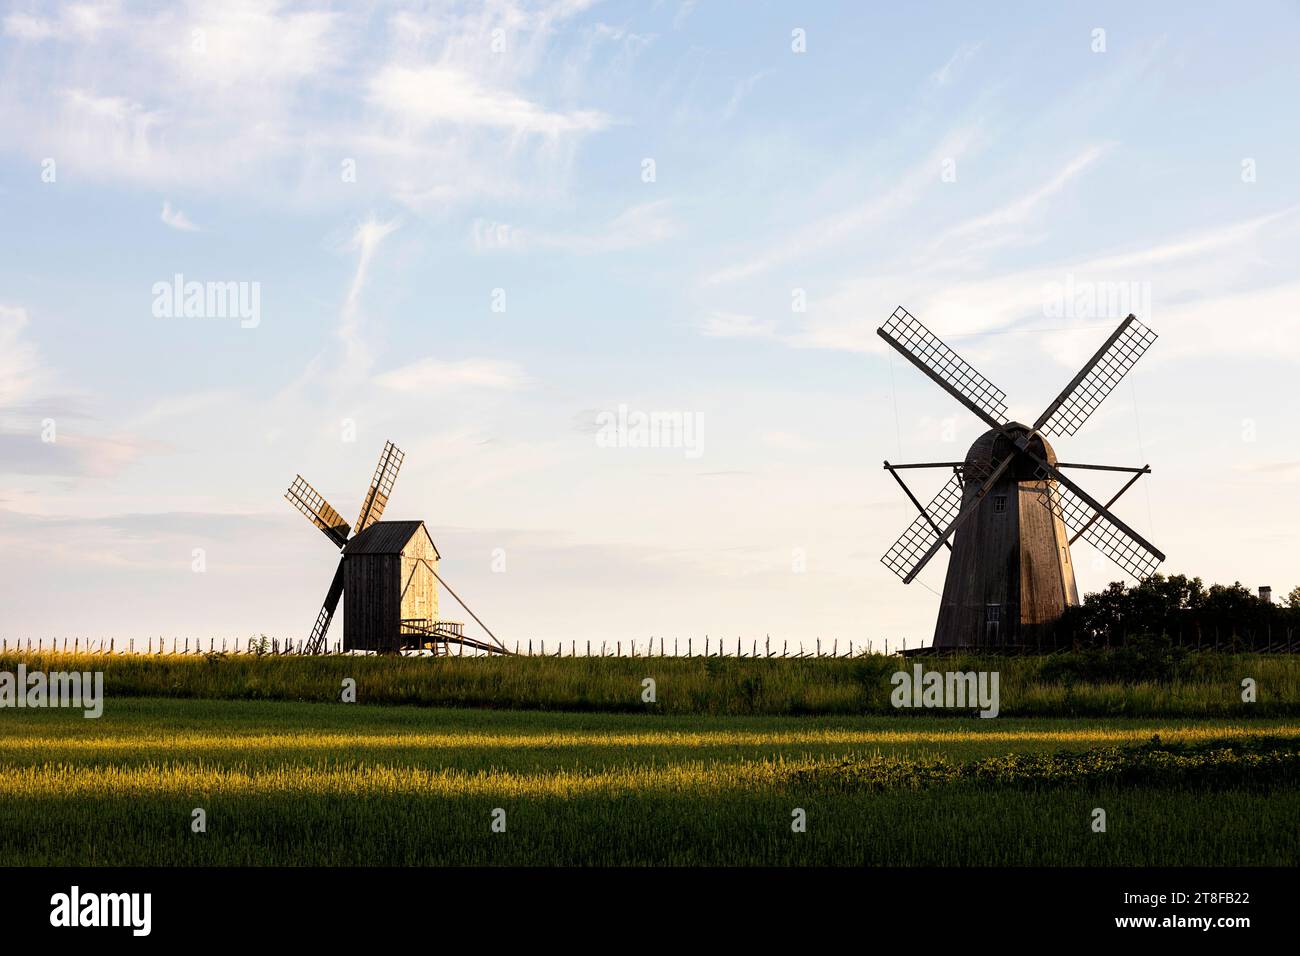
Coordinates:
290	782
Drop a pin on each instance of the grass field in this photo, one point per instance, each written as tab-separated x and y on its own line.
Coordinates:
1060	685
313	783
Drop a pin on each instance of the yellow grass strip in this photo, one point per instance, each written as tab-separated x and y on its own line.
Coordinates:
163	781
471	740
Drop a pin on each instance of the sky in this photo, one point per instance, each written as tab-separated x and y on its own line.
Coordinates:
500	234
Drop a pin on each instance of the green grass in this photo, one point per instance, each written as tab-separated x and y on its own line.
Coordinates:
1062	685
312	783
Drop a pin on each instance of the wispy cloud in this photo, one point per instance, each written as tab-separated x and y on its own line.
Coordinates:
1195	280
72	455
742	89
735	325
1004	223
837	227
357	358
74	21
636	226
177	219
945	74
262	97
436	375
435	94
21	371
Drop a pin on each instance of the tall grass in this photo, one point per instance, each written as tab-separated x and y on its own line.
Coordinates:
1206	684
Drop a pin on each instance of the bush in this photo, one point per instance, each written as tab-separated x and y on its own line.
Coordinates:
1153	658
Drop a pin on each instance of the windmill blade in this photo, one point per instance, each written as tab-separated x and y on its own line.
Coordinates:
949	370
1101	529
316	642
318	511
922	537
381	486
988	476
1097	379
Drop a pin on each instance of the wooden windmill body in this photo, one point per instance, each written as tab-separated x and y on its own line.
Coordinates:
1010	573
387	575
1009	514
389	578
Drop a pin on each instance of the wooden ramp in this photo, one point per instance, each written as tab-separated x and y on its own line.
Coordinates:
439	636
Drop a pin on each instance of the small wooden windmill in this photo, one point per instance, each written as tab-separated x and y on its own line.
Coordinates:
1008	513
387	575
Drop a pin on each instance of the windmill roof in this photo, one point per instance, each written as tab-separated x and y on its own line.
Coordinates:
991	447
386	537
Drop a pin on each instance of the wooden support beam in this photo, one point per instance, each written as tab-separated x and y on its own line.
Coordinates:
1138	473
928	464
919	507
463	604
1144	470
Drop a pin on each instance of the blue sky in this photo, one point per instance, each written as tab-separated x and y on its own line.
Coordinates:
386	173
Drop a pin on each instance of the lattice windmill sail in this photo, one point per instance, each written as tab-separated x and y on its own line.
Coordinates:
387	574
381	486
1008	513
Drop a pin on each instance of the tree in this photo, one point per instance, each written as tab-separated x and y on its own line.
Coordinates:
1180	608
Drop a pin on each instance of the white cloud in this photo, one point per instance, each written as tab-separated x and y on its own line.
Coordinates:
431	375
21	373
636	226
735	325
24	27
75	21
250	43
259	97
439	94
177	219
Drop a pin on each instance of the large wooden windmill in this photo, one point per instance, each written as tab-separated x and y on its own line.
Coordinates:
1008	513
387	575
